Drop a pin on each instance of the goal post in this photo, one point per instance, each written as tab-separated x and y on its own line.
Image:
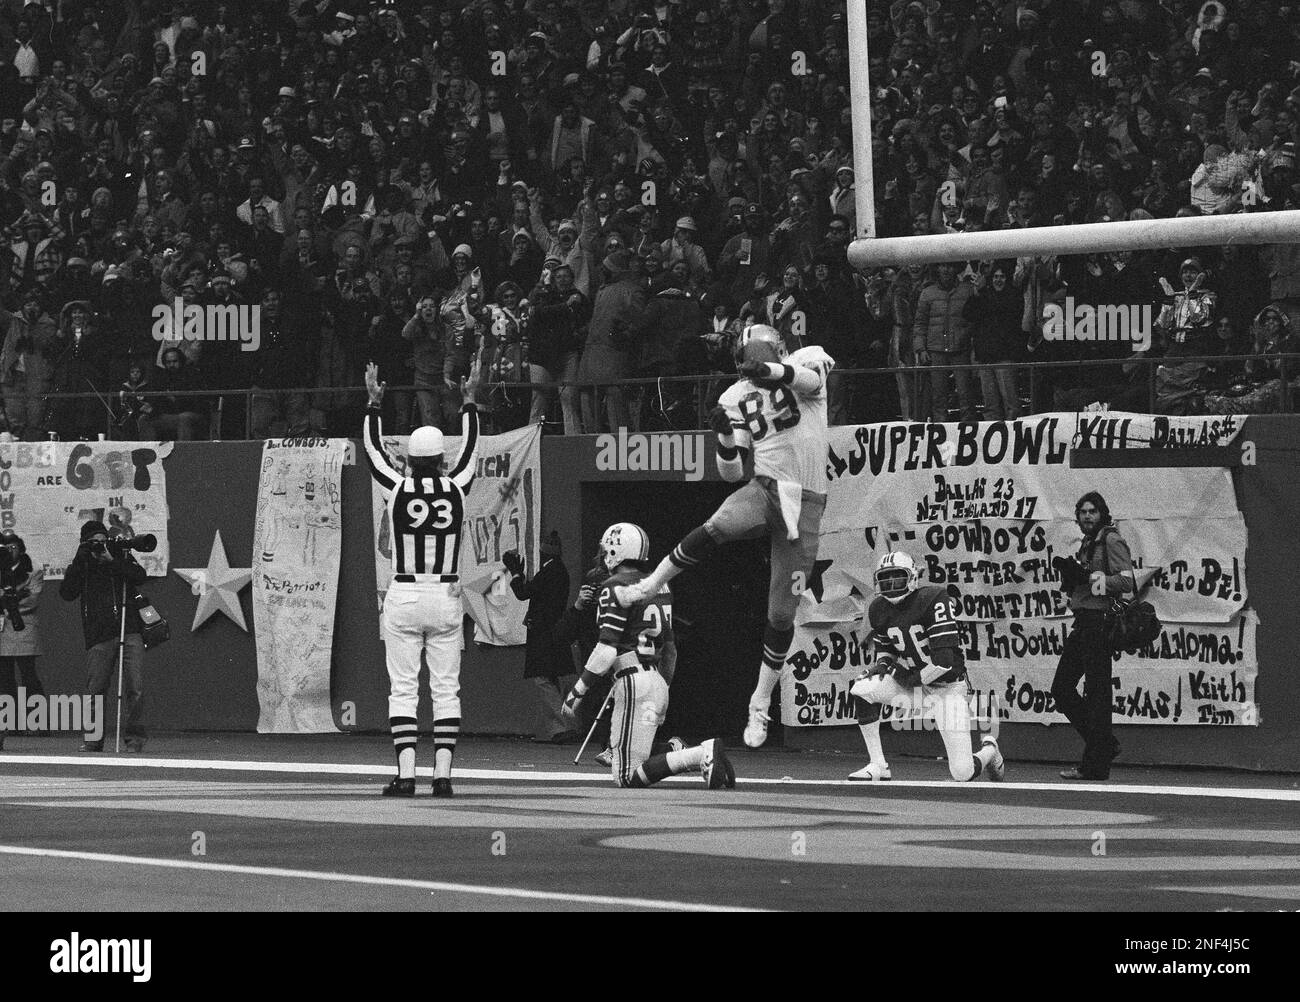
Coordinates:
1081	238
869	251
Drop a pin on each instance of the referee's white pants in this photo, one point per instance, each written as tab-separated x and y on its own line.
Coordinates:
947	705
640	702
423	616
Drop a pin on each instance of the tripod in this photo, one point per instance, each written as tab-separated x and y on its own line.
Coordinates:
121	667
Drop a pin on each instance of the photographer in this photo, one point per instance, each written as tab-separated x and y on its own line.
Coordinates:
20	590
1101	572
100	574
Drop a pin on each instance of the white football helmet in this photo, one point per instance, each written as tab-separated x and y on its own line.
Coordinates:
896	576
624	541
759	333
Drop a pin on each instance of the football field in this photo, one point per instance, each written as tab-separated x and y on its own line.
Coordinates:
233	822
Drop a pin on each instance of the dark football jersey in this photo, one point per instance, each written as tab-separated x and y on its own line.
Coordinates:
921	623
645	627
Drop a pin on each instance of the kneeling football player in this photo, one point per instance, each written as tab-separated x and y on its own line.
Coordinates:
918	665
636	643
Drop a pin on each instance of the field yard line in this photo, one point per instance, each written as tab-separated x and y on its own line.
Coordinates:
358	878
602	776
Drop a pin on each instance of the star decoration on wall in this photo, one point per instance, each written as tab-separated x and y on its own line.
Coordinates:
218	586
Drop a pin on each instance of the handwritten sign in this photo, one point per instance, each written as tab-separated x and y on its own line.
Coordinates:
984	509
48	490
297	547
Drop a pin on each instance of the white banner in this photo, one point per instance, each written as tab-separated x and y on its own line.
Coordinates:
48	489
297	546
983	509
502	511
1193	674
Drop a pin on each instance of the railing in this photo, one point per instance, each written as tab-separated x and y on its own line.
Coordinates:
698	400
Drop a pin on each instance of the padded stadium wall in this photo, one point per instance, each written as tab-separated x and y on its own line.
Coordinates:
206	681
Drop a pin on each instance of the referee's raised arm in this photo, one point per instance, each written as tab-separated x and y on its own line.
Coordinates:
462	471
372	435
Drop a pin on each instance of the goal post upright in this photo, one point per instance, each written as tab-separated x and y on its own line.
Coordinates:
860	109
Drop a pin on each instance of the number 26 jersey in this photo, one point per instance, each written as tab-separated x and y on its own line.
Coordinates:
911	629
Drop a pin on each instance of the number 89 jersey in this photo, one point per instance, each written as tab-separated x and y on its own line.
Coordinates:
911	629
643	628
785	428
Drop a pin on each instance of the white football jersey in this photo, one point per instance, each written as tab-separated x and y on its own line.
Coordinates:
785	428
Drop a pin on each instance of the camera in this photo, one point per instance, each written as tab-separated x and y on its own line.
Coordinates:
1072	573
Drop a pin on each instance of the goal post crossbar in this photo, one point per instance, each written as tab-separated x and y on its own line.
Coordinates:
1083	238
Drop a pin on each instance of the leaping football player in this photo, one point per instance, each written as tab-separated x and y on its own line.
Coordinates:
636	643
919	666
777	410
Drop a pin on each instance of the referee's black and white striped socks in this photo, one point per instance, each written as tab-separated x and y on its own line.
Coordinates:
405	736
445	733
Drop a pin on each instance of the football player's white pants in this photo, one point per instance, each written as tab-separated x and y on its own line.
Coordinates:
640	702
947	705
423	616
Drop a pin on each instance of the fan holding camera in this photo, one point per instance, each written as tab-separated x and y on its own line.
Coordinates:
1100	573
104	576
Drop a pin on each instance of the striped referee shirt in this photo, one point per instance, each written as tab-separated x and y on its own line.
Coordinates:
425	516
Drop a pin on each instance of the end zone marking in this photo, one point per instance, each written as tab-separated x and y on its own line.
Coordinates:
356	878
602	777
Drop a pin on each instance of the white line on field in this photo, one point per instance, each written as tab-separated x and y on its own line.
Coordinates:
524	893
602	776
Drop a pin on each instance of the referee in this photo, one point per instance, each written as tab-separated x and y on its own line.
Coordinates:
422	609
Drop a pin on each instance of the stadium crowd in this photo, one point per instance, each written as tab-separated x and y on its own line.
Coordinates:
586	191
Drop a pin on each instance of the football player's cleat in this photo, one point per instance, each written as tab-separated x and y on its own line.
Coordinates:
716	766
400	788
606	758
442	787
729	780
997	767
896	576
872	772
624	541
756	729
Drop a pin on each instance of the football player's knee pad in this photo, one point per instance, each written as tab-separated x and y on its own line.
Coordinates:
866	712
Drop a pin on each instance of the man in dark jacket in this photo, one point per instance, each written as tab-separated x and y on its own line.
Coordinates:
1101	572
994	315
546	658
173	417
101	576
671	316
